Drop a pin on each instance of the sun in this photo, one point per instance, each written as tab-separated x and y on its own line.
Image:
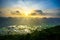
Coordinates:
27	11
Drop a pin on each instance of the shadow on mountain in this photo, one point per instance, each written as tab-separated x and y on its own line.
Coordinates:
46	34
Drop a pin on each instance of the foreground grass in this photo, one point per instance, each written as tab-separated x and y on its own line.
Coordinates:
46	34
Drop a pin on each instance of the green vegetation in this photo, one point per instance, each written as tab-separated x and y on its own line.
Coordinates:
46	34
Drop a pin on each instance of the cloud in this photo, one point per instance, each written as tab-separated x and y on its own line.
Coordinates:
52	12
37	12
17	12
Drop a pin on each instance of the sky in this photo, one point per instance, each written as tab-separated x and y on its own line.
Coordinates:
38	4
50	6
